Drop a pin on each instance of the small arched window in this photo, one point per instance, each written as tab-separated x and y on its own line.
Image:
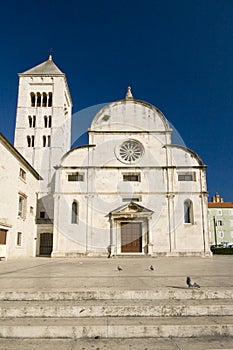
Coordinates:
45	121
188	212
50	101
30	121
33	99
44	141
44	100
50	121
38	99
74	216
30	141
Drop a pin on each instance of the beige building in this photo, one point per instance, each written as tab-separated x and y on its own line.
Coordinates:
18	188
220	221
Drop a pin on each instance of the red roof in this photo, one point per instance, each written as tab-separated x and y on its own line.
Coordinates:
220	205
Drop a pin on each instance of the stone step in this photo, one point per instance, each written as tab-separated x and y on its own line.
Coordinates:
159	293
116	327
116	308
197	343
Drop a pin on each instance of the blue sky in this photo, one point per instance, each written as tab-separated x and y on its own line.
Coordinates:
176	54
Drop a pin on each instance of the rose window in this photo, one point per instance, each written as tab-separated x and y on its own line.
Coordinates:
130	151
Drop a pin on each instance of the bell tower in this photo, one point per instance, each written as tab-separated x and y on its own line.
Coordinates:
43	126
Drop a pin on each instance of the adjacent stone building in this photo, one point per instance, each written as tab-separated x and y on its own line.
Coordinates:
220	221
128	191
18	188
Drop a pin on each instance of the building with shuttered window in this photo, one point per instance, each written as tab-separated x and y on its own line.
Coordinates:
220	221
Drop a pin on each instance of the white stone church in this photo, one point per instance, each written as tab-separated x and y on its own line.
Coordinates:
129	191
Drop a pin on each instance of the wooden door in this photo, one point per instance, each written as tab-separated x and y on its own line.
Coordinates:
46	244
3	236
131	237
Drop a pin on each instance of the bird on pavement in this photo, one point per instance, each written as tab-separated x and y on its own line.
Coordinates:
191	284
151	268
119	268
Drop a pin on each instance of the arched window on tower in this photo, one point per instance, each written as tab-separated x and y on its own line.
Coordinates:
38	99
30	141
188	212
44	100
33	99
50	121
44	141
45	121
30	121
34	121
50	101
74	216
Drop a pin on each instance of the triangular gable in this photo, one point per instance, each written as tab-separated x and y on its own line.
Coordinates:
131	209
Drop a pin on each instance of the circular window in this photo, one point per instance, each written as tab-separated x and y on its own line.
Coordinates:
130	151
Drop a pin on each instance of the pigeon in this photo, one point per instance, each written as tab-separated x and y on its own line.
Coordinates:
191	284
119	268
151	268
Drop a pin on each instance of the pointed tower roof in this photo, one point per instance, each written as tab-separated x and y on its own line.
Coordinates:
45	68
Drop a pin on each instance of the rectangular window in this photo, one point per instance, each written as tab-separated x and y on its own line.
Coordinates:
221	234
22	206
42	214
19	239
133	199
75	177
219	223
187	176
22	174
132	177
219	212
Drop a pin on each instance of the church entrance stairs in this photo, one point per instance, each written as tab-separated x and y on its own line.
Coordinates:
36	304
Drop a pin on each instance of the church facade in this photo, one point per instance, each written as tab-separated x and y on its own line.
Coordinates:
129	191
